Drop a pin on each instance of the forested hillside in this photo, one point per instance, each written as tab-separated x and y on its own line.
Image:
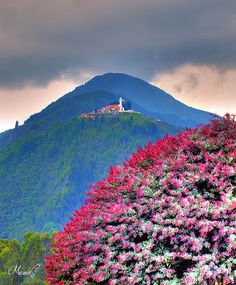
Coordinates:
45	173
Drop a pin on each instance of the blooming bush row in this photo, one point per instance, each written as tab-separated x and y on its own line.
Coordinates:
167	216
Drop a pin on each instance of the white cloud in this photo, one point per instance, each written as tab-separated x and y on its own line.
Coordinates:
202	87
20	104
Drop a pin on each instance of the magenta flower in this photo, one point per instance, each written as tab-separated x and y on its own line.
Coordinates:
167	216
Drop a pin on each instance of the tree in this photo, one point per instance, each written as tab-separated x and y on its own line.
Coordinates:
9	258
167	216
25	257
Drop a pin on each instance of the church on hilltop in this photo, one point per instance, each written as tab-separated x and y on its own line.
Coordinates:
116	107
113	109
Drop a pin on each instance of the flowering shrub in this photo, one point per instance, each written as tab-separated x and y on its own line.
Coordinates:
167	216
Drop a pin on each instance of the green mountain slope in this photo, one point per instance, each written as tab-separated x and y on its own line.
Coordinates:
45	172
61	110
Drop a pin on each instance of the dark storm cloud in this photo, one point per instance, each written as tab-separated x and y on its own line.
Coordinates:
43	40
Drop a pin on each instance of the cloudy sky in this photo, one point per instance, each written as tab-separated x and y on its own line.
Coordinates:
47	47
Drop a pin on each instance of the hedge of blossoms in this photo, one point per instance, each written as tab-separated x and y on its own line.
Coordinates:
167	216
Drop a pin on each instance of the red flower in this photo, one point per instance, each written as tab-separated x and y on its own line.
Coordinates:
166	213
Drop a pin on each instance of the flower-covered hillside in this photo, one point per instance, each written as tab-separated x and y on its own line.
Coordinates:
167	216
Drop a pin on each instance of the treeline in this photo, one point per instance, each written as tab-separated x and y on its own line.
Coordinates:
23	263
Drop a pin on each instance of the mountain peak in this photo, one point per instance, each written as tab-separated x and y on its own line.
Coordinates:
144	97
118	78
110	75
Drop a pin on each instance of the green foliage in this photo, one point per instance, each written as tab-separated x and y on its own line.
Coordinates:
46	172
9	257
25	256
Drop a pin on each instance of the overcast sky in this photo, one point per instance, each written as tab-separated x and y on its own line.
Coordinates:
47	47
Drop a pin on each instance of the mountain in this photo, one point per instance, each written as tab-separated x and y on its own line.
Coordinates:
47	164
104	89
146	98
45	172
